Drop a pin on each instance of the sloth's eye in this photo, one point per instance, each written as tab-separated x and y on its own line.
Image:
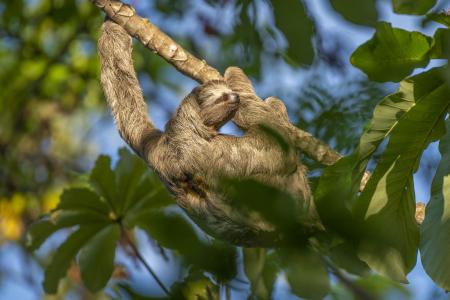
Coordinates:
225	97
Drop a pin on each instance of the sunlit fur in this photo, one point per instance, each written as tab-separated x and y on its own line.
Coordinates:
190	155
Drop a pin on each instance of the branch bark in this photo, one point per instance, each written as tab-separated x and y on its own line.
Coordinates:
159	43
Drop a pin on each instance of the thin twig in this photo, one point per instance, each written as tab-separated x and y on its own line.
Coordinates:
144	262
359	292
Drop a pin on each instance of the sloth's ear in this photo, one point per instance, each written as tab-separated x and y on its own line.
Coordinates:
238	81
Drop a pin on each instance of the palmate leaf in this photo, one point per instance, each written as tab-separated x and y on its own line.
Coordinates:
98	214
387	205
392	53
435	230
412	7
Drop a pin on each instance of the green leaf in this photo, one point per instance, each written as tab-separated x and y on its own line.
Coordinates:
387	205
344	256
39	232
82	199
435	237
359	12
443	18
103	180
291	18
150	194
440	47
64	255
412	7
69	218
97	258
130	173
305	273
261	271
392	53
338	187
170	230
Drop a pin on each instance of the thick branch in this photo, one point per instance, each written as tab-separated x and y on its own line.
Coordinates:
158	42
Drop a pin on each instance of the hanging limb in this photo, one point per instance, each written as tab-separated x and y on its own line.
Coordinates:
158	42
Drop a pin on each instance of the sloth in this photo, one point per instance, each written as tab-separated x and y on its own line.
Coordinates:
190	156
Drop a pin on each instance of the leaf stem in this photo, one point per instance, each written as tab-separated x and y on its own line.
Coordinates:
359	292
144	262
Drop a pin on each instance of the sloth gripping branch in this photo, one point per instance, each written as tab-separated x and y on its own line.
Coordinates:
158	42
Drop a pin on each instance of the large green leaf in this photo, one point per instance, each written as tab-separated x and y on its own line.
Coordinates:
392	53
386	218
103	180
97	258
291	18
64	256
305	273
338	186
363	12
435	230
387	205
412	7
261	271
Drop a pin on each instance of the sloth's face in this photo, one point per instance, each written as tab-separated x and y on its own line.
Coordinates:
217	102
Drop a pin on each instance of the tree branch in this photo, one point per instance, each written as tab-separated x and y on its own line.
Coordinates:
158	42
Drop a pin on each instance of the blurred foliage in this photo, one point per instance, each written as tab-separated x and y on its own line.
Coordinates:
50	101
359	12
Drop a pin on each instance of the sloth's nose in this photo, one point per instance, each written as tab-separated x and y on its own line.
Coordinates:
234	98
